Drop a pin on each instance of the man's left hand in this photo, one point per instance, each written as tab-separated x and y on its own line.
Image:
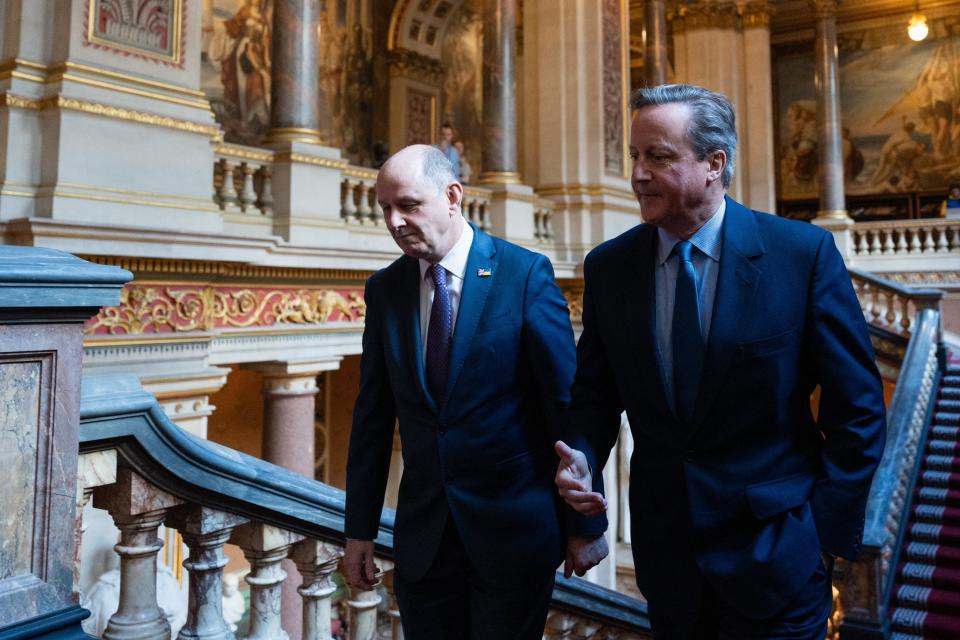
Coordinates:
583	554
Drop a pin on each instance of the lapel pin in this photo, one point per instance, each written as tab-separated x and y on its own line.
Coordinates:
483	273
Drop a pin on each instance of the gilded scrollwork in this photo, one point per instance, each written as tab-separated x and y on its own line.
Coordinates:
176	308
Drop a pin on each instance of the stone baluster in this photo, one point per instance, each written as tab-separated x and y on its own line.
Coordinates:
393	610
891	316
228	192
902	242
94	469
875	242
548	224
137	508
363	207
954	238
905	319
915	246
942	244
875	303
888	246
248	196
317	562
376	213
559	626
928	244
363	614
349	209
204	531
586	629
265	201
264	546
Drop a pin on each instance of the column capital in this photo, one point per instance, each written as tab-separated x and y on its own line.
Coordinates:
293	369
704	15
824	8
404	63
756	13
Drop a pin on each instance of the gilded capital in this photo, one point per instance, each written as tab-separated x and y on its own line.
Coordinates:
756	13
704	15
410	64
824	8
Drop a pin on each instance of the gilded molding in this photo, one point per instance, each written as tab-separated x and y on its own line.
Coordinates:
410	64
107	111
303	158
925	278
363	173
166	308
143	268
693	17
756	13
243	153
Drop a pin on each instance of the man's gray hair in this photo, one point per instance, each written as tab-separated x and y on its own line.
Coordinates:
437	168
712	122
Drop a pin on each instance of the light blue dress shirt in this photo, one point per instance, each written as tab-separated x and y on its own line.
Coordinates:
706	262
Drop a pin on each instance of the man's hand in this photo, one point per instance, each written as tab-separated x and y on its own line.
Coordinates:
583	554
361	572
575	482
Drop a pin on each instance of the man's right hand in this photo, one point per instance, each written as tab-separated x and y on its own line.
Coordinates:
361	572
575	482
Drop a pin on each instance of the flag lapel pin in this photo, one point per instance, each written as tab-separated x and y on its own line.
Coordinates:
483	273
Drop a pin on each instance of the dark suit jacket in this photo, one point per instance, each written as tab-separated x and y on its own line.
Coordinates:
747	495
485	456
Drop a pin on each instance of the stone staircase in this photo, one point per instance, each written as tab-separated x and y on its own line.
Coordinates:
926	602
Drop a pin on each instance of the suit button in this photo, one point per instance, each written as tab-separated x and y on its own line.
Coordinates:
688	456
443	429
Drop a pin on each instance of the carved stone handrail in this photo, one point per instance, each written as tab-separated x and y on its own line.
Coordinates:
866	585
892	307
212	493
476	206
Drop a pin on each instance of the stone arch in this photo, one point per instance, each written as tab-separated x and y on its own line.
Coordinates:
420	25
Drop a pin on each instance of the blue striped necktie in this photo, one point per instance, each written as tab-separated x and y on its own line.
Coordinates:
439	333
688	347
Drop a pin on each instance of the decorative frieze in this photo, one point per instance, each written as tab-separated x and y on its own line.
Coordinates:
410	64
160	308
726	15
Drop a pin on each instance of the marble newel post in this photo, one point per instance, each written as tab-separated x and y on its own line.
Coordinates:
511	209
295	77
45	297
829	138
289	400
654	42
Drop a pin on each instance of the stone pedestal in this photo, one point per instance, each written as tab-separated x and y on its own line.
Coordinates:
45	296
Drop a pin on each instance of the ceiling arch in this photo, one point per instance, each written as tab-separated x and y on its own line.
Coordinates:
419	25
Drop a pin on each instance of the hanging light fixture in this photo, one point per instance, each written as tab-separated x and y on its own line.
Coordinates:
917	28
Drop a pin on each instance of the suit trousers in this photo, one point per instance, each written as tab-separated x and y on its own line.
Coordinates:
453	602
804	617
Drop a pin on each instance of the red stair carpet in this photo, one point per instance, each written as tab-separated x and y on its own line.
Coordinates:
927	591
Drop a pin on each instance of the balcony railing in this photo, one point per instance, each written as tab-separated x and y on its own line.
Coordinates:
906	237
145	471
242	180
889	306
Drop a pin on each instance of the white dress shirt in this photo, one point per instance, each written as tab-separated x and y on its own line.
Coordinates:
455	268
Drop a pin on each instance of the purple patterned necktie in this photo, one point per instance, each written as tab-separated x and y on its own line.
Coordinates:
439	332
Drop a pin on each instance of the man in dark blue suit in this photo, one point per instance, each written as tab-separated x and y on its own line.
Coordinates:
468	344
711	325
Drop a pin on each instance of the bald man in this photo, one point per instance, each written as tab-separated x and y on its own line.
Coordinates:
468	345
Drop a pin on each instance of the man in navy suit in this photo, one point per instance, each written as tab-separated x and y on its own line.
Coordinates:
711	325
468	343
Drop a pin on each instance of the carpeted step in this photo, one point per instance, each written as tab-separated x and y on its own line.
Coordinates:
934	534
944	431
912	596
949	393
947	405
933	626
945	578
951	379
942	463
941	479
938	496
932	553
942	447
945	417
937	514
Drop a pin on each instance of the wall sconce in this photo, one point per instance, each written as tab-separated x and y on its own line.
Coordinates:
917	27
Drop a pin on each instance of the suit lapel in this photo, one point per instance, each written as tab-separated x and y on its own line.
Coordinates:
409	295
473	297
736	286
639	293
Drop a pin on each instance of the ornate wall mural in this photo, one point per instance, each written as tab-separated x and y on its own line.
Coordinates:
236	72
148	29
900	112
462	59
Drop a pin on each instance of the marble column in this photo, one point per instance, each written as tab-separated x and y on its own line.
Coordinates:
654	42
499	92
289	401
295	75
829	138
